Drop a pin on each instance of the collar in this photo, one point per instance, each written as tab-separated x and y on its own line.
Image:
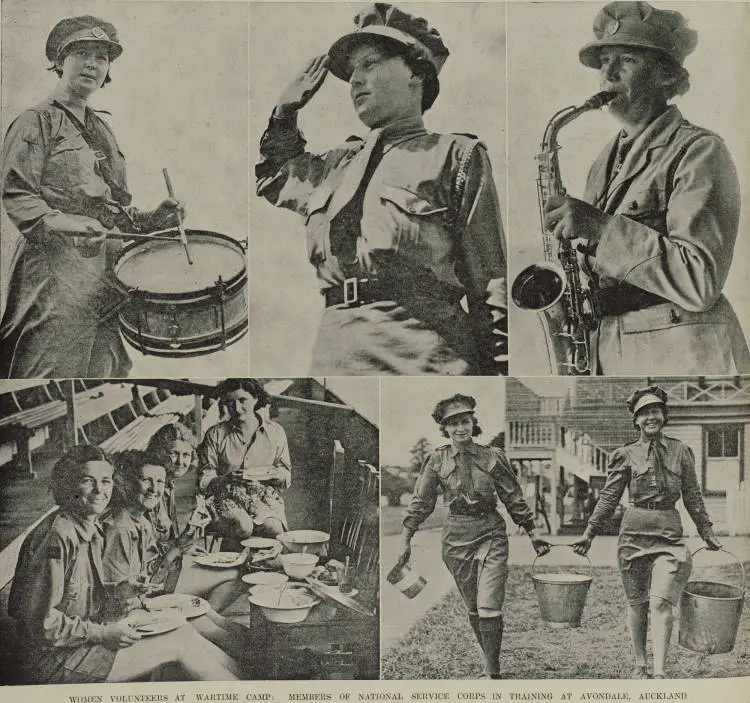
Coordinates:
661	439
85	530
400	131
470	447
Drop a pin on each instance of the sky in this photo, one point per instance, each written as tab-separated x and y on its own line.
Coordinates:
406	411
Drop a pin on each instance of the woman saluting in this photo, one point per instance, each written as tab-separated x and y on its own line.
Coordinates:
653	558
64	187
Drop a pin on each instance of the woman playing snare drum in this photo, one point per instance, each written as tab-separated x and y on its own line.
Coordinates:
653	558
64	187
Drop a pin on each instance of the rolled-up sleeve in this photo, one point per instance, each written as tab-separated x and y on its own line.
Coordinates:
691	494
509	491
618	478
282	458
425	495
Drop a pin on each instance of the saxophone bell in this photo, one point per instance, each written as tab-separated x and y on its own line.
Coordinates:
539	286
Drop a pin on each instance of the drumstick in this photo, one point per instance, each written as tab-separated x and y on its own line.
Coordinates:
180	226
131	235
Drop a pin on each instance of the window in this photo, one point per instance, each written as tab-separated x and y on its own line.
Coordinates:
723	441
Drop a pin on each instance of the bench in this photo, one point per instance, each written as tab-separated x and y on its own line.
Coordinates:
24	426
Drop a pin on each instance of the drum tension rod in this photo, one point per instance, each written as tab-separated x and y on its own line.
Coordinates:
220	295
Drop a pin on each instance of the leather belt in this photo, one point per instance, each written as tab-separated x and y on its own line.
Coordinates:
354	292
482	507
653	505
618	300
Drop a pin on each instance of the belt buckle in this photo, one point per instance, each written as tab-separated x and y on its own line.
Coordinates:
351	292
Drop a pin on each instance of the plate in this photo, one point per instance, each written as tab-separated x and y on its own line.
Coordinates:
220	560
146	623
265	577
189	606
260	543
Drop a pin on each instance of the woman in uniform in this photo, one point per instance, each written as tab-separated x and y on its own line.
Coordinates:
660	213
64	188
472	478
400	226
244	464
59	598
175	447
653	558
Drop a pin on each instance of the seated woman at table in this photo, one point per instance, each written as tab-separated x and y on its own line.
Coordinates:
58	595
131	552
244	464
174	446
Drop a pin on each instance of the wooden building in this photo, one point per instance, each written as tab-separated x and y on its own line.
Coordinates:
560	433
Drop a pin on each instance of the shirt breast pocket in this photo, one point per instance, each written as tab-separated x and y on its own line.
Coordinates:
647	205
448	474
69	162
317	225
414	222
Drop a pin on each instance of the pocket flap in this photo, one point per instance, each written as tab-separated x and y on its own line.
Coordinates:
409	202
446	467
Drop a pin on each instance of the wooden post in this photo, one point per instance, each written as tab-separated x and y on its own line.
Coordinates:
71	415
554	519
198	417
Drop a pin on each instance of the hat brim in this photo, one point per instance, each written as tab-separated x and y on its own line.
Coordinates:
589	54
455	413
342	48
647	402
115	48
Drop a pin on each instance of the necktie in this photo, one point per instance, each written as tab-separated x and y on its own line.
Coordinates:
345	209
465	480
656	450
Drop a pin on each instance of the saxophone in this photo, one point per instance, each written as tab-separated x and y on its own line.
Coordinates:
554	288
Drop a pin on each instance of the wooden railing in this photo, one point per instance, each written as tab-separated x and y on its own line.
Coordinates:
532	433
703	391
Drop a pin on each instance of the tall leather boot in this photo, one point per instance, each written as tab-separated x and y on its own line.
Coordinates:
491	630
474	622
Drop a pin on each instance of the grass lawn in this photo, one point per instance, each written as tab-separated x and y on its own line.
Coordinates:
442	646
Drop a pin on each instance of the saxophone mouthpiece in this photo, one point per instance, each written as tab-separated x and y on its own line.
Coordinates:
600	99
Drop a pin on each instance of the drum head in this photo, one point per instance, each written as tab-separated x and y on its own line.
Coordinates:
161	267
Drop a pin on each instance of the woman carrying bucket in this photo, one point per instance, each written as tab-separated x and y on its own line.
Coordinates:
653	558
475	542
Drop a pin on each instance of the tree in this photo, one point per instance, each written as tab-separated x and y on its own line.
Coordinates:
419	453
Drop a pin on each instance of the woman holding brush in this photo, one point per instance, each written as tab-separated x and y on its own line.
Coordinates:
64	188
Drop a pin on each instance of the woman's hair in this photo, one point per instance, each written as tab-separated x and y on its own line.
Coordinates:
676	76
249	385
415	59
474	433
66	471
162	440
128	465
56	67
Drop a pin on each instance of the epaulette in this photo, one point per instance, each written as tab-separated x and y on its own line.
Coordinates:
354	138
466	134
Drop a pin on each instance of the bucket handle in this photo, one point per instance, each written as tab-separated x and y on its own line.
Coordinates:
734	556
585	556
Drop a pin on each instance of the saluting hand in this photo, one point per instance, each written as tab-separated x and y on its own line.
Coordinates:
302	89
570	218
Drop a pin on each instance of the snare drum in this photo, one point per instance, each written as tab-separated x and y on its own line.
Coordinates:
177	309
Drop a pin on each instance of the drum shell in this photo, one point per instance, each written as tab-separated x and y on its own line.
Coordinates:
187	323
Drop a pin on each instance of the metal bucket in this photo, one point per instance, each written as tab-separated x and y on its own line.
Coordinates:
561	596
710	614
406	579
